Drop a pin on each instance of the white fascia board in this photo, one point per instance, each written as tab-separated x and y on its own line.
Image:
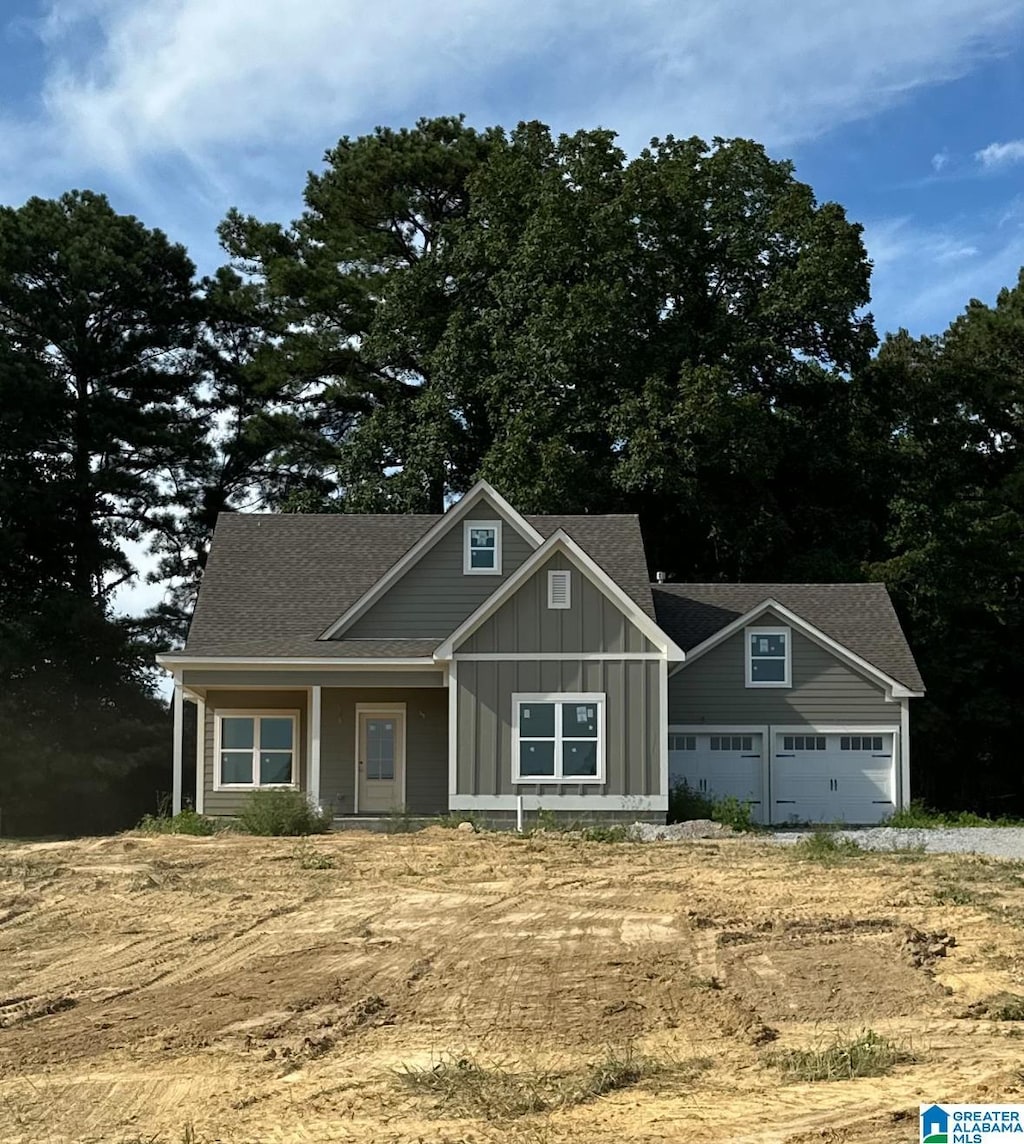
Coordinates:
478	492
175	663
571	803
895	689
560	541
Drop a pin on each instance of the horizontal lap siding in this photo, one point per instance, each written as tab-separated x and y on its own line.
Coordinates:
525	623
632	722
426	753
824	690
435	595
227	802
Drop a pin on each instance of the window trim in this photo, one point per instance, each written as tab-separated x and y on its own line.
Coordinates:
467	568
256	713
552	573
749	657
559	697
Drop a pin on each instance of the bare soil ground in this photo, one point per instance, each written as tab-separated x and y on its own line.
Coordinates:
201	990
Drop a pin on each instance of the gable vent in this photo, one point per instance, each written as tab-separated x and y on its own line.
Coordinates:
560	589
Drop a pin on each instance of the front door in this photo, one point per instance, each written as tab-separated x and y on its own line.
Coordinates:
380	761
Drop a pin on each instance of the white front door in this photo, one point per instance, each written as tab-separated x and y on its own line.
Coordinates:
380	759
836	777
719	765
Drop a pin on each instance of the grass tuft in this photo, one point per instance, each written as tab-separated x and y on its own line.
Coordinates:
310	858
868	1054
184	822
464	1087
827	847
920	816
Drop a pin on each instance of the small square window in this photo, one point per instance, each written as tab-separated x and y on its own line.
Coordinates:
876	743
716	743
482	544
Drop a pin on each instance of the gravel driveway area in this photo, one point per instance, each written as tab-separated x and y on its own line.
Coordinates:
997	841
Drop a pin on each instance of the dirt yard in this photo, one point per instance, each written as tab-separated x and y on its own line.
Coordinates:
193	990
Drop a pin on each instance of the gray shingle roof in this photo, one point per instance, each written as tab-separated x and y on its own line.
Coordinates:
859	616
274	582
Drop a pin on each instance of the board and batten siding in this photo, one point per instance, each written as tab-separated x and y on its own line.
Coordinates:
426	746
435	595
825	690
632	722
229	802
525	623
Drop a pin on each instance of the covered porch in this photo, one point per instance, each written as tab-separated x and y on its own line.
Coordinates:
367	743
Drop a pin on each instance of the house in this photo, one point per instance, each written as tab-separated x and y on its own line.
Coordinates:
486	661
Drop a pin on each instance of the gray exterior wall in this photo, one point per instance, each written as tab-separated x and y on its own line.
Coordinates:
355	678
632	722
825	690
426	748
426	720
227	802
435	595
525	623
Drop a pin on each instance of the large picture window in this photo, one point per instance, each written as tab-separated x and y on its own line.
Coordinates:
558	738
768	657
256	749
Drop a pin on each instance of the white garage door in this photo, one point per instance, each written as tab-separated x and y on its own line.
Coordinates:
719	765
832	778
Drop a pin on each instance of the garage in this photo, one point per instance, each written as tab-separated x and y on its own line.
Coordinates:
720	763
834	777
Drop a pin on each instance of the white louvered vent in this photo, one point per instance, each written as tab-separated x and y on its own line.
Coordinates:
559	589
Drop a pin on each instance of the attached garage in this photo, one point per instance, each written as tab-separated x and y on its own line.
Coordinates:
720	762
846	776
810	774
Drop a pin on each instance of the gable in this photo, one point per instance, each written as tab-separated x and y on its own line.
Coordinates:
434	595
525	624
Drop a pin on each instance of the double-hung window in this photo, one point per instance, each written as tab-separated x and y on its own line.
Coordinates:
558	738
481	541
768	657
256	749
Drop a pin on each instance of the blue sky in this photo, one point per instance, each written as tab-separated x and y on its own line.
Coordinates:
908	112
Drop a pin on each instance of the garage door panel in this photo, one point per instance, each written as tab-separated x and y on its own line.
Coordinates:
721	765
832	778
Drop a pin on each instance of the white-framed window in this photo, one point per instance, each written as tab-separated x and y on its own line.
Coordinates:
481	547
255	749
558	738
559	588
860	743
732	742
768	657
682	742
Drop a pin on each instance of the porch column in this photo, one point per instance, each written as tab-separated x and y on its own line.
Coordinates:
176	708
314	744
200	753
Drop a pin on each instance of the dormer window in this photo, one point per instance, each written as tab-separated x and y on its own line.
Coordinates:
769	657
482	547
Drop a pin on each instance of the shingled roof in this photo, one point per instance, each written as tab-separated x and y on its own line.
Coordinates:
275	582
858	616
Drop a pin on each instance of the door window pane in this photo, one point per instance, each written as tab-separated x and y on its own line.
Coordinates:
579	759
276	734
537	758
536	720
236	767
275	767
579	720
380	749
236	732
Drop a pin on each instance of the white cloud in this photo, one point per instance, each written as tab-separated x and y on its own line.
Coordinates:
940	160
206	79
1001	154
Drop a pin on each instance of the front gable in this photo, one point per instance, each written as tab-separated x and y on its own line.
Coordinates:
528	623
431	589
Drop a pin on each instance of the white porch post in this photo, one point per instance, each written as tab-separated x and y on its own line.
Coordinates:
314	743
200	753
176	752
904	753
